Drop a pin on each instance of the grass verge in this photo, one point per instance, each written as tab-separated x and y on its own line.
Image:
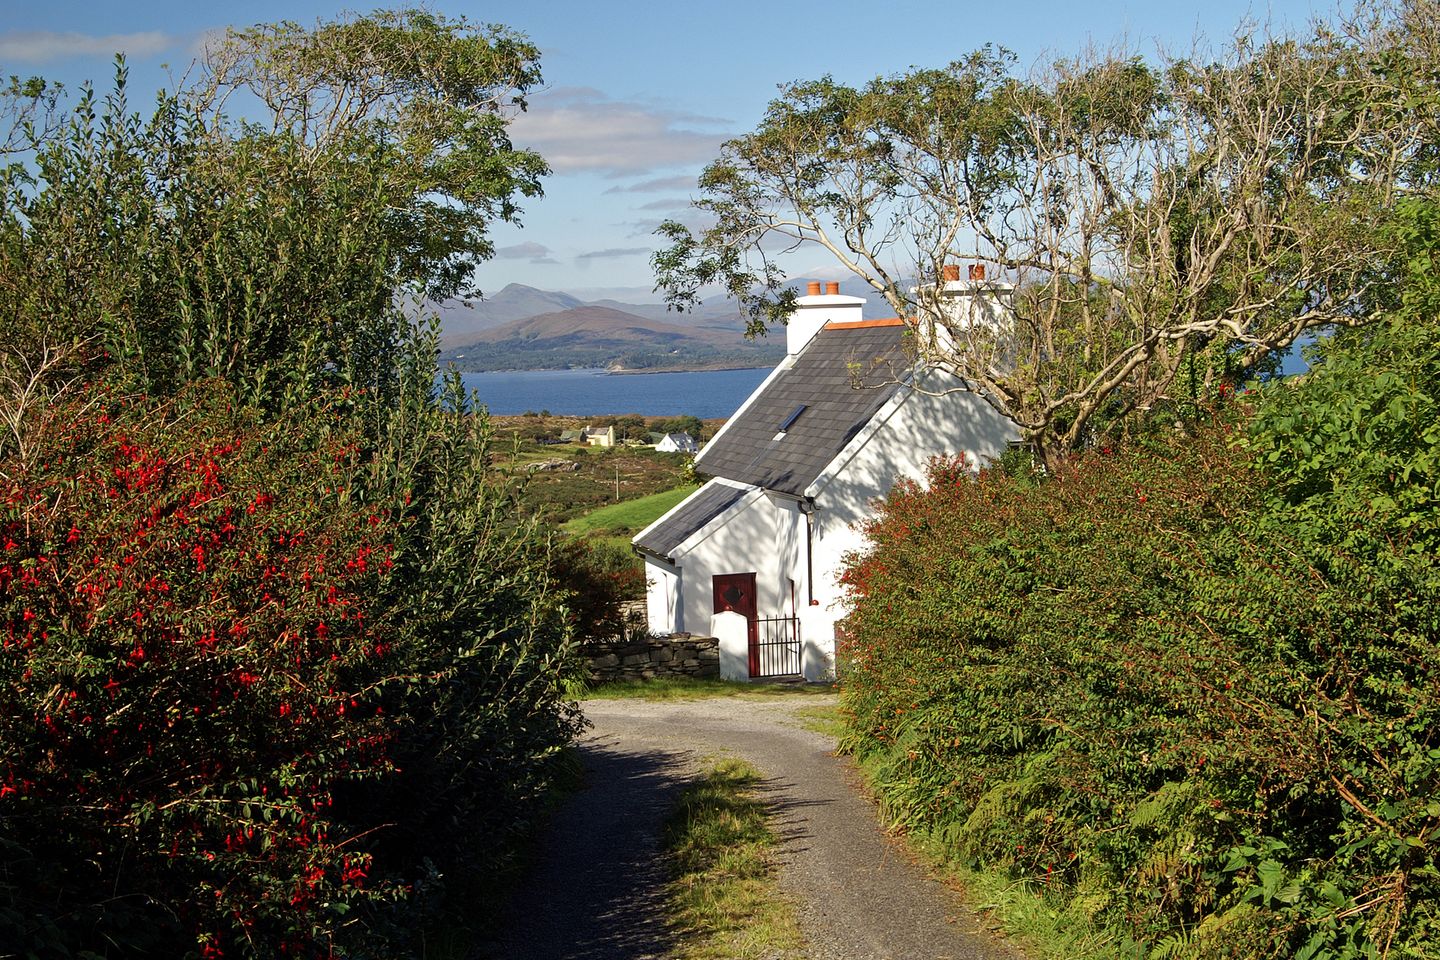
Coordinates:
674	689
1020	908
724	897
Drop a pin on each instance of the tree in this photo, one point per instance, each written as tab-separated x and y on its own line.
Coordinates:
258	266
433	96
1191	214
267	252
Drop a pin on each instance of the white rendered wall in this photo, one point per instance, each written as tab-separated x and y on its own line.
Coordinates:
920	428
662	589
766	534
744	543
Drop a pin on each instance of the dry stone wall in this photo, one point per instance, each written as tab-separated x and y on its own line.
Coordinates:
680	655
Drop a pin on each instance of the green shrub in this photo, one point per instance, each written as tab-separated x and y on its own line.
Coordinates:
277	691
1192	699
601	574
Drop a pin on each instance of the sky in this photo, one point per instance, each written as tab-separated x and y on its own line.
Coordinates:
639	96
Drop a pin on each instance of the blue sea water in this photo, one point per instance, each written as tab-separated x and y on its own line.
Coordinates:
700	393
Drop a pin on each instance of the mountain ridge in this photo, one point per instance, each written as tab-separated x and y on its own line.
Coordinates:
525	328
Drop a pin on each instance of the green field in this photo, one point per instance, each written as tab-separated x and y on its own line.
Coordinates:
628	517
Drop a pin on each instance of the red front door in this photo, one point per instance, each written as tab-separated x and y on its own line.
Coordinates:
736	592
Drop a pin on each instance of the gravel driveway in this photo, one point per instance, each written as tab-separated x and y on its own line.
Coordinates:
595	893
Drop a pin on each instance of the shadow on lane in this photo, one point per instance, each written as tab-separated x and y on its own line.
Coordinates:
596	891
597	887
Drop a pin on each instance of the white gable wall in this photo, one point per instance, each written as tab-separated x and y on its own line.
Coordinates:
899	442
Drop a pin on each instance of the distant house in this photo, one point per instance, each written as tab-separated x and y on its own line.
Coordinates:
678	443
572	436
797	470
599	436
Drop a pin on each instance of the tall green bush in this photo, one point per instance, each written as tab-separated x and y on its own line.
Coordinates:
229	292
1187	691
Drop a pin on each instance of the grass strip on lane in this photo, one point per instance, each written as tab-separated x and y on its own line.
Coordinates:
724	898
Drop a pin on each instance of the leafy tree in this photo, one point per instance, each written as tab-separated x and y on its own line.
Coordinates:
183	282
1192	214
268	252
431	96
1189	689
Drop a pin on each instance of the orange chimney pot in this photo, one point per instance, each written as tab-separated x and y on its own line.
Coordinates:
950	273
832	289
977	271
812	289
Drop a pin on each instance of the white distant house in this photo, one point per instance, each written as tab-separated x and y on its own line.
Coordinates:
598	436
677	443
754	554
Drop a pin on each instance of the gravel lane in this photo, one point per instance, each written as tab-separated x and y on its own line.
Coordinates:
596	891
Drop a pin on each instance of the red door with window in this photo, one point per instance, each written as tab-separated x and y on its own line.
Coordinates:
736	592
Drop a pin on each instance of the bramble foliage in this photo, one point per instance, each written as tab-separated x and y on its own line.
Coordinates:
603	575
1188	691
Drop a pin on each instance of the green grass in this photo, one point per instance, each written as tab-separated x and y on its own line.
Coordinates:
822	718
1025	911
633	515
725	900
675	689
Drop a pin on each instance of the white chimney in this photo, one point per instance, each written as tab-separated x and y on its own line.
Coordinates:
816	309
969	312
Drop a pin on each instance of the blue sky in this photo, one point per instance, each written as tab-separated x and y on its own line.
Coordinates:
638	95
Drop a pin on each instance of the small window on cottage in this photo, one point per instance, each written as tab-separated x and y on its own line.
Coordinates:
790	420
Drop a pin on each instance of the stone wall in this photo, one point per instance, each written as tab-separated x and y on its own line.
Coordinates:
643	659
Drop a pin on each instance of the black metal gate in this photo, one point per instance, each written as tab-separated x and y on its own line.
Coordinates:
775	650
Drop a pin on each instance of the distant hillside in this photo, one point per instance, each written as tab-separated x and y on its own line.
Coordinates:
462	320
596	336
522	328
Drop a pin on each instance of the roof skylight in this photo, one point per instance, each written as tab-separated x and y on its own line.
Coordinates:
794	415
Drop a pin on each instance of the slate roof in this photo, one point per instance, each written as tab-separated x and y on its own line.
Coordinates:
823	380
699	509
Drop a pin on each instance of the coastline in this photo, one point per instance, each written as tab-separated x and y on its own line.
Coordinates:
621	372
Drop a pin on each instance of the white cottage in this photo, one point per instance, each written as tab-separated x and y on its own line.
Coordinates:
677	443
797	469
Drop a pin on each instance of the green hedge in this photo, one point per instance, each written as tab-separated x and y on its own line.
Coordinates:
1189	690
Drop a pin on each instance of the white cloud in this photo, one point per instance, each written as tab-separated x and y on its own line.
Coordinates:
579	129
657	185
677	204
42	46
612	253
523	251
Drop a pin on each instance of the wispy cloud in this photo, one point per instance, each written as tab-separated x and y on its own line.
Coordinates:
696	220
523	251
666	203
612	253
43	46
657	185
580	129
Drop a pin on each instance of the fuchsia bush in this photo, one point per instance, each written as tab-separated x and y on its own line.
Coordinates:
191	667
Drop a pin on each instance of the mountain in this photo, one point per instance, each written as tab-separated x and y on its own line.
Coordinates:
523	328
461	320
599	336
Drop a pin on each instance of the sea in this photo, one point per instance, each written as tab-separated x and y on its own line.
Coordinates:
699	393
